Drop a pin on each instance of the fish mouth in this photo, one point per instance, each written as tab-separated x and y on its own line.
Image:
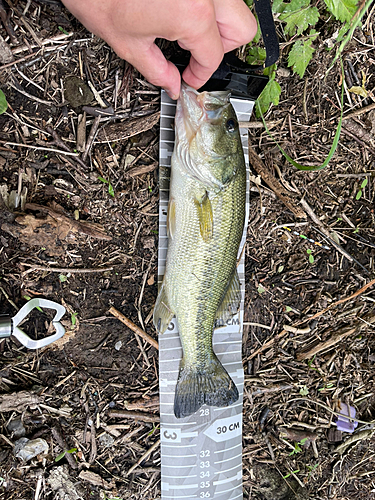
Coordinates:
195	107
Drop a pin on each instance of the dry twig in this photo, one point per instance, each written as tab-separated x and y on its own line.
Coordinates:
134	327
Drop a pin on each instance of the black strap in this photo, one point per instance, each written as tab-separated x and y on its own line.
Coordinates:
267	27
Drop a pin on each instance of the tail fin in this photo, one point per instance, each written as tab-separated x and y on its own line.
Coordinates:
211	386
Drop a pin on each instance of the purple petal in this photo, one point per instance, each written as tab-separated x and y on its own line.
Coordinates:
342	421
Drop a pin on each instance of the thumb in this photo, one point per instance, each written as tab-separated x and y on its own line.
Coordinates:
150	61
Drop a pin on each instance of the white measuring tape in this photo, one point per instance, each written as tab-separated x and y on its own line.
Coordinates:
201	455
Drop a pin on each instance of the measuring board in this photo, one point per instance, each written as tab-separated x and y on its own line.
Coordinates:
201	455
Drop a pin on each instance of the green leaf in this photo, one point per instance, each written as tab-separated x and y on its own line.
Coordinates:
271	93
261	289
356	21
110	189
334	143
256	55
60	456
26	297
359	194
101	179
3	103
300	55
364	183
311	258
304	391
298	16
62	30
343	10
73	318
62	278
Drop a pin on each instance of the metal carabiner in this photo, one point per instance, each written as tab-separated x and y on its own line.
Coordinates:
9	326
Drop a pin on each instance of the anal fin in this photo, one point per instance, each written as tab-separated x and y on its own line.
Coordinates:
162	312
231	301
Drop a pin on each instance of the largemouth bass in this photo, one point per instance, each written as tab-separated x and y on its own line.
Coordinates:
205	221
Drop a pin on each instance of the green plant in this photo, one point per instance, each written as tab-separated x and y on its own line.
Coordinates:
311	257
3	103
290	473
154	428
110	187
62	455
326	386
73	318
62	278
298	19
304	390
363	185
311	469
26	297
63	30
297	447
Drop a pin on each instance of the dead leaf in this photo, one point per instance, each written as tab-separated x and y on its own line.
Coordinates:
359	91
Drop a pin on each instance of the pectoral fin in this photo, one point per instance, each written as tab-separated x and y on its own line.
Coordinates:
205	216
230	303
171	218
162	312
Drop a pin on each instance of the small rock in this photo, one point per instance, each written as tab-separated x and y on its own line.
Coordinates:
283	72
16	428
106	440
62	484
148	242
118	345
77	92
6	55
26	449
128	160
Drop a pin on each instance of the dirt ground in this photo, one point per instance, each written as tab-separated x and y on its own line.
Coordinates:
85	234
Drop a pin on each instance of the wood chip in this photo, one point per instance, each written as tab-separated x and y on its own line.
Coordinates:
95	479
19	401
126	129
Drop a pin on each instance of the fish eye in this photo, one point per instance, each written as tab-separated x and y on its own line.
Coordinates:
231	125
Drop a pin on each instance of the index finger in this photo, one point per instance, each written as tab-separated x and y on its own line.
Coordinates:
207	53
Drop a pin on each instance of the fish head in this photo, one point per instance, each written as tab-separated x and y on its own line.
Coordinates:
207	137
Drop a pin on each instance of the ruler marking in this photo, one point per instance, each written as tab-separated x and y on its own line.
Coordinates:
181	466
228	470
181	486
184	496
179	423
179	445
180	456
227	459
228	449
178	477
226	491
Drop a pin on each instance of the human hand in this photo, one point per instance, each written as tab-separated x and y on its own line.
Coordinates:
207	28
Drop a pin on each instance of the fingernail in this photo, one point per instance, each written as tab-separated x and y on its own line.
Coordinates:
173	96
